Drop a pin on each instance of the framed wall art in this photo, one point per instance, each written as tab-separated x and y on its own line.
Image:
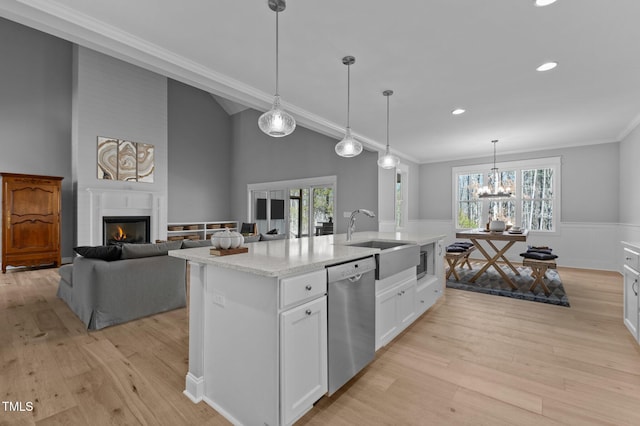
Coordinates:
125	160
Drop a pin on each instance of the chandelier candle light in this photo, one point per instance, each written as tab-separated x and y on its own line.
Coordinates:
495	188
277	122
348	146
388	160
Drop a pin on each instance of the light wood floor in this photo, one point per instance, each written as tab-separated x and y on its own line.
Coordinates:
473	359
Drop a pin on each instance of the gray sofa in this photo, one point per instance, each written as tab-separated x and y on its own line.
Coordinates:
145	281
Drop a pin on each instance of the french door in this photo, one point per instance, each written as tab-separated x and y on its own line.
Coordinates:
298	208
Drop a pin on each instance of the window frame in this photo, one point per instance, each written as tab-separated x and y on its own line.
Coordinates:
518	166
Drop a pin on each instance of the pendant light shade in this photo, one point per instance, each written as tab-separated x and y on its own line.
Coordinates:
348	146
388	160
277	122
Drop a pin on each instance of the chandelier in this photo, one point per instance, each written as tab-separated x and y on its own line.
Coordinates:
495	189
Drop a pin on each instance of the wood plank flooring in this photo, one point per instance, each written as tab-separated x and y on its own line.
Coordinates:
473	359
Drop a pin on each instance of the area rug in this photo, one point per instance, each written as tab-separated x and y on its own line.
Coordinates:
492	283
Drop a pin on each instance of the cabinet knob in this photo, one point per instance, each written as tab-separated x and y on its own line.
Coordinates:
422	301
308	312
402	291
308	287
399	294
627	258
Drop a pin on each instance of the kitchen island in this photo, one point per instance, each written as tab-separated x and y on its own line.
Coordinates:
258	323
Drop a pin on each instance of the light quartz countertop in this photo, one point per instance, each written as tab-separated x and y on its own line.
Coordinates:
281	258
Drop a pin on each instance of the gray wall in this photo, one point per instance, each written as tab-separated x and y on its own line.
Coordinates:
258	158
586	170
199	156
35	111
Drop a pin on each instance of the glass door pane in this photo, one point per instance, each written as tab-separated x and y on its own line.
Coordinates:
278	212
323	213
298	212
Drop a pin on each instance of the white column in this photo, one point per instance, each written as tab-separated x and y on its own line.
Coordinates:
195	377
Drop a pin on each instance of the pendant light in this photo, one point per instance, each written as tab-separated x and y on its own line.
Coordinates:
388	160
277	122
495	189
348	146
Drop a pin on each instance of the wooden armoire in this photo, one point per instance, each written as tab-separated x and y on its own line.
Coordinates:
30	220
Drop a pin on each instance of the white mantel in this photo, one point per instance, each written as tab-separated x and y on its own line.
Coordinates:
95	203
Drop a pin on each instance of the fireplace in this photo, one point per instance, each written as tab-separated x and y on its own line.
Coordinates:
126	229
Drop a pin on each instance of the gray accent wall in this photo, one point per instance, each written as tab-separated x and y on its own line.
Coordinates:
199	156
589	183
258	158
35	111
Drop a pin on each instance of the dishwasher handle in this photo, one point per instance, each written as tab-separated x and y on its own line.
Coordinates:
355	278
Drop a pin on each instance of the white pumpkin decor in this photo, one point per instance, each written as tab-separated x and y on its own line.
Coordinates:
227	240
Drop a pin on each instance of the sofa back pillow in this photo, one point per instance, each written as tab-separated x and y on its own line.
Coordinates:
108	253
195	243
135	251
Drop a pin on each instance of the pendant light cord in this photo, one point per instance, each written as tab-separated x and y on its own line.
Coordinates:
387	124
348	93
277	79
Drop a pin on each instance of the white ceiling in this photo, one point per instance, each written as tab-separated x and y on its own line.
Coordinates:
436	55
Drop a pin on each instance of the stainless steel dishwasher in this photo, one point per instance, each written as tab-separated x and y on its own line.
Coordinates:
351	296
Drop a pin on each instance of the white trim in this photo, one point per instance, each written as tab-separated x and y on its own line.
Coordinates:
194	388
69	24
286	185
293	183
119	202
403	169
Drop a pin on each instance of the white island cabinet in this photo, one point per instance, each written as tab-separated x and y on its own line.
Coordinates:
258	326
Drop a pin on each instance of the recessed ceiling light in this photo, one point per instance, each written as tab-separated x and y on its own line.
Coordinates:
547	66
541	3
458	111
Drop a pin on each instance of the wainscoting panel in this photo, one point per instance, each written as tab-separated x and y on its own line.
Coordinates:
579	245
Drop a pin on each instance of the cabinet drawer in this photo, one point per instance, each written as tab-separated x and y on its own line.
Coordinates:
302	287
427	295
632	259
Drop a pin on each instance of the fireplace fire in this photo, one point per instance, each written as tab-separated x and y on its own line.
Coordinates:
126	229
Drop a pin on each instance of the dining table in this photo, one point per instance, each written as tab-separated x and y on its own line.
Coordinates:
490	238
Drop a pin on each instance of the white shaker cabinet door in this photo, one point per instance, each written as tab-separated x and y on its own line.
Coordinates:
303	360
631	283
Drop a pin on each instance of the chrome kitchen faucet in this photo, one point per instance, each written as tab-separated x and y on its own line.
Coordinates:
352	220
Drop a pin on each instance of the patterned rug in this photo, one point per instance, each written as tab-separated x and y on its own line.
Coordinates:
492	283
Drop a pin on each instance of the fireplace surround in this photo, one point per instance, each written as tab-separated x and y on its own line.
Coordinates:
126	229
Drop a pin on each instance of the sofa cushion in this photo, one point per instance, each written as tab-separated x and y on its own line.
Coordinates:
251	238
108	253
269	237
195	243
537	255
135	251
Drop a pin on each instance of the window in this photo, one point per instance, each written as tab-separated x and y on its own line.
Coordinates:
534	206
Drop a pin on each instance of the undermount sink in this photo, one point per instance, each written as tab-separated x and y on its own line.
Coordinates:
382	245
394	256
